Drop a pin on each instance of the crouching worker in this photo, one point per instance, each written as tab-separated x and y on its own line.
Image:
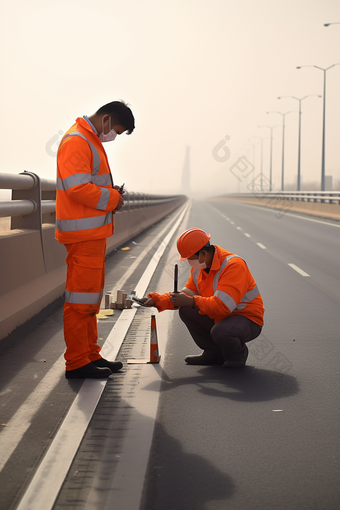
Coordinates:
220	303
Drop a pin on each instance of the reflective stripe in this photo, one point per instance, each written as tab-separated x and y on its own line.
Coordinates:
251	294
188	291
101	180
217	275
195	274
84	178
83	223
240	306
226	299
60	184
82	298
95	153
76	180
104	199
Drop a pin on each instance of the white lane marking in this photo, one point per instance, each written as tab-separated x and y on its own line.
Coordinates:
315	221
238	228
247	235
139	434
21	420
56	463
296	268
232	222
274	211
261	246
41	495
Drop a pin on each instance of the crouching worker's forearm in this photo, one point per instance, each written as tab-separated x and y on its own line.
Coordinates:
169	301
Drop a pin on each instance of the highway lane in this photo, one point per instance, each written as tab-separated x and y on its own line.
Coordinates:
261	437
266	436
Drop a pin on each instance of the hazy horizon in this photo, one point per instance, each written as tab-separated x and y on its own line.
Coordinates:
193	72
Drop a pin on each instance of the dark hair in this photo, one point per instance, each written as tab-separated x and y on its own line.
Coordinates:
120	113
207	247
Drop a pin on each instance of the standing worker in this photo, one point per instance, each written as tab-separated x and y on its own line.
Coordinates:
86	201
220	303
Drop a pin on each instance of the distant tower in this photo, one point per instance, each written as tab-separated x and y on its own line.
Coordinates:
185	188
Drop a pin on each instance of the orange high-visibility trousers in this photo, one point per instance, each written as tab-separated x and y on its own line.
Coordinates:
84	290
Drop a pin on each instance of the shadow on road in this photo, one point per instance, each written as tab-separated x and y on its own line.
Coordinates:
179	480
248	384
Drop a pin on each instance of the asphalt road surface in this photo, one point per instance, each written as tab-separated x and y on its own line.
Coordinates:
262	437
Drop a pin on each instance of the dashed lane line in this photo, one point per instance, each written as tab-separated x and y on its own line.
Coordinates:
261	246
247	235
300	271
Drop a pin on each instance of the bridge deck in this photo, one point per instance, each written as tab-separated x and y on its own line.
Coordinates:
176	436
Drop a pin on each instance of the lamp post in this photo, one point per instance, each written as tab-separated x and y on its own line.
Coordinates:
323	122
271	156
261	138
283	146
299	148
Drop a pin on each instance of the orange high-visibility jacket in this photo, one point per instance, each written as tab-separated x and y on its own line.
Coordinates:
85	193
228	289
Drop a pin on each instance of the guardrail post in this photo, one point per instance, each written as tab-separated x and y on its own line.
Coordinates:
34	220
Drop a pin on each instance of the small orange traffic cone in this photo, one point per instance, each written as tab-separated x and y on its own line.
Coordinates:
154	354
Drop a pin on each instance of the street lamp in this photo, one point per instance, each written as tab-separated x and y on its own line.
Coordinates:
271	156
283	146
261	138
299	150
324	121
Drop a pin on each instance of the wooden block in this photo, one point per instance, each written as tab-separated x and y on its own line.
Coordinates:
107	300
120	296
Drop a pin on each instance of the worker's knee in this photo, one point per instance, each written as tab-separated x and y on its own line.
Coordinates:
187	313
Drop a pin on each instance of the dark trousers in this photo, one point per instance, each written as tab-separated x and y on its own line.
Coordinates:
226	339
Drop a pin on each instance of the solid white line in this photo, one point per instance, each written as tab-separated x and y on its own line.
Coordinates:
315	221
274	211
56	463
248	235
296	268
50	475
261	246
12	434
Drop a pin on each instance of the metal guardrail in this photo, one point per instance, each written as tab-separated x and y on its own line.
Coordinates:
33	196
323	197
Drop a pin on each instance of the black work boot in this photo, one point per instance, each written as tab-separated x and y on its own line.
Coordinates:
88	371
206	358
114	366
237	363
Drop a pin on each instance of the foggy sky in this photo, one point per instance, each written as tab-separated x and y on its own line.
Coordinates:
193	73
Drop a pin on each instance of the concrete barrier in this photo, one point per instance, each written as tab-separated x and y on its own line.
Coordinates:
32	262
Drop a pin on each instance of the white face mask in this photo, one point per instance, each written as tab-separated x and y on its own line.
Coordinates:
197	265
109	137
